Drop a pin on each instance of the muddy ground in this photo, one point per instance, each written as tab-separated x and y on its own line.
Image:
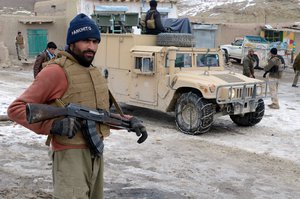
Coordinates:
227	162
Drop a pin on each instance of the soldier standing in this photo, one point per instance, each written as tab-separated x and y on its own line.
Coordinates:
77	171
45	56
248	68
296	67
20	46
274	75
153	16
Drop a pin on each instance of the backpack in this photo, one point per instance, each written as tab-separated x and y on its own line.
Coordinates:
150	23
279	68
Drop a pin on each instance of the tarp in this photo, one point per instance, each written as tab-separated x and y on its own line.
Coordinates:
181	25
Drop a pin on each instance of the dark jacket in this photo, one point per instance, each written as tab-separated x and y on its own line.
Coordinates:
296	64
158	25
38	64
248	68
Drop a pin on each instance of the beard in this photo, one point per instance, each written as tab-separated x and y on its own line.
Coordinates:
84	58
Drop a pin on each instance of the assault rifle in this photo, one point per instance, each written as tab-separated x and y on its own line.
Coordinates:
40	112
274	69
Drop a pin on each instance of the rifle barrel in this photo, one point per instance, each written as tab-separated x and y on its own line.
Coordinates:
40	112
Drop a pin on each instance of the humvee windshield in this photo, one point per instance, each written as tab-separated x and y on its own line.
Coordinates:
204	60
185	60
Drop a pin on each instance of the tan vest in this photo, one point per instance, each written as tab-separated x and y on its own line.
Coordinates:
19	40
87	87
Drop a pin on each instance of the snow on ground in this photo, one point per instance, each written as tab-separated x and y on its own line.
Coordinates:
227	162
281	141
278	134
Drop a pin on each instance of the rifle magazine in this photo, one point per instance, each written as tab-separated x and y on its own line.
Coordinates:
94	140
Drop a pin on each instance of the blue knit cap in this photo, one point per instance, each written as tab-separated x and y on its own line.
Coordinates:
82	28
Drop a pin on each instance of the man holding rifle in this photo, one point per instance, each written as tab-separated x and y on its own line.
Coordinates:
77	170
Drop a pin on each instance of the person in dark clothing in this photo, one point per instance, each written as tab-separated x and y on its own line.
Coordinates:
248	69
296	67
153	21
43	57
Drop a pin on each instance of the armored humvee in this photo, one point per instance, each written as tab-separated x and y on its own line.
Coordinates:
189	81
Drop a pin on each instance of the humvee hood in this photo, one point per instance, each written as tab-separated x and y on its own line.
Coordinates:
214	77
229	78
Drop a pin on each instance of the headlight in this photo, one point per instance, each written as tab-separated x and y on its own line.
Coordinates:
259	90
231	93
212	88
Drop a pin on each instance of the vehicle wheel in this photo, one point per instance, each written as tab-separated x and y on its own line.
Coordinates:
250	119
256	61
226	56
238	61
194	115
176	39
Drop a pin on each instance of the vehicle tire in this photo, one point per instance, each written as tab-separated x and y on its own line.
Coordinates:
239	61
256	61
176	39
226	56
250	119
194	115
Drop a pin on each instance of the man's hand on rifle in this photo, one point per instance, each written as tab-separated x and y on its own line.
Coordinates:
66	127
137	127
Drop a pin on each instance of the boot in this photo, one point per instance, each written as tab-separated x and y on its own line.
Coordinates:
273	106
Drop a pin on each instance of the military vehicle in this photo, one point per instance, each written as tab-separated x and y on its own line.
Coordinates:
165	72
189	81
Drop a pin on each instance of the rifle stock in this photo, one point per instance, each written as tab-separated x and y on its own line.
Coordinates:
40	112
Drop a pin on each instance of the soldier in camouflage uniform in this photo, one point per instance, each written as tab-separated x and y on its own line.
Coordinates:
248	68
274	75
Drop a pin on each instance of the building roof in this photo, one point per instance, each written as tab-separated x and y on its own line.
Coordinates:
284	29
159	1
35	21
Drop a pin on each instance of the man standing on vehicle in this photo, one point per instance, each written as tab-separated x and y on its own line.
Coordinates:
77	172
248	68
153	20
46	55
296	67
274	75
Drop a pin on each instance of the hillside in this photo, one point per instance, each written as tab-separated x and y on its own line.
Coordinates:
206	11
17	6
240	11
